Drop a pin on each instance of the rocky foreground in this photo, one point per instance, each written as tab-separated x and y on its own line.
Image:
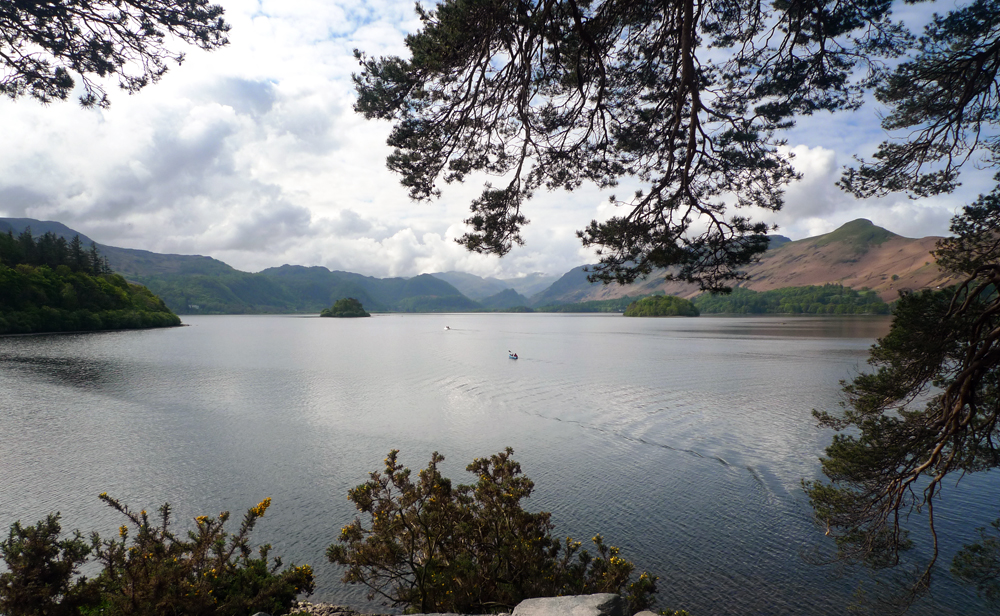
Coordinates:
577	605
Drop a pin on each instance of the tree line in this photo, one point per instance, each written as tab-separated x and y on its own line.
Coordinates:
825	299
52	250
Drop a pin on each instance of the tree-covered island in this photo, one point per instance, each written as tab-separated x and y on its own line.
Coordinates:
49	284
346	308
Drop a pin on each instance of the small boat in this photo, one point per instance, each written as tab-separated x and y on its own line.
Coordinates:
511	355
446	327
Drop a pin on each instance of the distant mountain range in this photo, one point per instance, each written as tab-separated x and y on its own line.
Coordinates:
858	255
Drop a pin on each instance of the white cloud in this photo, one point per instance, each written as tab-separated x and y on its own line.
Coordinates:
253	154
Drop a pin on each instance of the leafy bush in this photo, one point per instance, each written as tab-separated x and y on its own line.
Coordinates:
211	572
471	548
42	576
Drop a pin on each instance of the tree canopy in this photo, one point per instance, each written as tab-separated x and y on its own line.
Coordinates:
347	307
661	306
44	43
930	410
690	98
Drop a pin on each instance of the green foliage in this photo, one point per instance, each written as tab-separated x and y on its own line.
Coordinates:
979	563
618	304
942	101
51	250
472	548
148	569
38	299
826	299
345	308
687	98
42	576
930	409
661	306
46	43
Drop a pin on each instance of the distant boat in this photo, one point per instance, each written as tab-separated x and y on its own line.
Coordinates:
511	355
446	327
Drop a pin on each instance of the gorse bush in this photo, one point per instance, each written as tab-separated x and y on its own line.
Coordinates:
42	571
472	548
147	569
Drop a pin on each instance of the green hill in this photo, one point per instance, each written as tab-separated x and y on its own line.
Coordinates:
508	298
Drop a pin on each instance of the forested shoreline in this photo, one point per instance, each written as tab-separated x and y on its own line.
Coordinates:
829	299
50	284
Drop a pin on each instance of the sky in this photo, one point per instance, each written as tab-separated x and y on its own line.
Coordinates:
253	155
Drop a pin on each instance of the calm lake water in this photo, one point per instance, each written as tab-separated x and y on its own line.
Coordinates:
683	441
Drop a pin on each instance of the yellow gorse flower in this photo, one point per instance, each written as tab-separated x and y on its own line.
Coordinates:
262	507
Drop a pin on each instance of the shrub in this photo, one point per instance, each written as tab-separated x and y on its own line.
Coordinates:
148	569
472	548
42	576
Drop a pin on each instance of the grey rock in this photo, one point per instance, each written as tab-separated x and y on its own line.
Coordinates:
261	614
604	604
646	613
325	609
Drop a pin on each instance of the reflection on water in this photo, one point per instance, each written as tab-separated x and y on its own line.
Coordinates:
683	441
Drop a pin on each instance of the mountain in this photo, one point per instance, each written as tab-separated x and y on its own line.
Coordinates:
857	255
472	286
192	284
128	262
508	298
531	284
478	288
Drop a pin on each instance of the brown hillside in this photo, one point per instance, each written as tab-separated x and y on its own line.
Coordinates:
858	254
807	262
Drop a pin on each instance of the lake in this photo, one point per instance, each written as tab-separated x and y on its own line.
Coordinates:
682	441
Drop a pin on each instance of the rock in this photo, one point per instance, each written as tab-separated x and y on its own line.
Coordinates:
605	604
261	614
325	609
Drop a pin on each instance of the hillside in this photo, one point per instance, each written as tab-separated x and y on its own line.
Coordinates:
193	284
479	288
128	262
857	255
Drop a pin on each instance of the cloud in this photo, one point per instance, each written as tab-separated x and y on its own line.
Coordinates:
253	154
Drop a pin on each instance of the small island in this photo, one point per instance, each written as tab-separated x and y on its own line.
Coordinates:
346	308
661	306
